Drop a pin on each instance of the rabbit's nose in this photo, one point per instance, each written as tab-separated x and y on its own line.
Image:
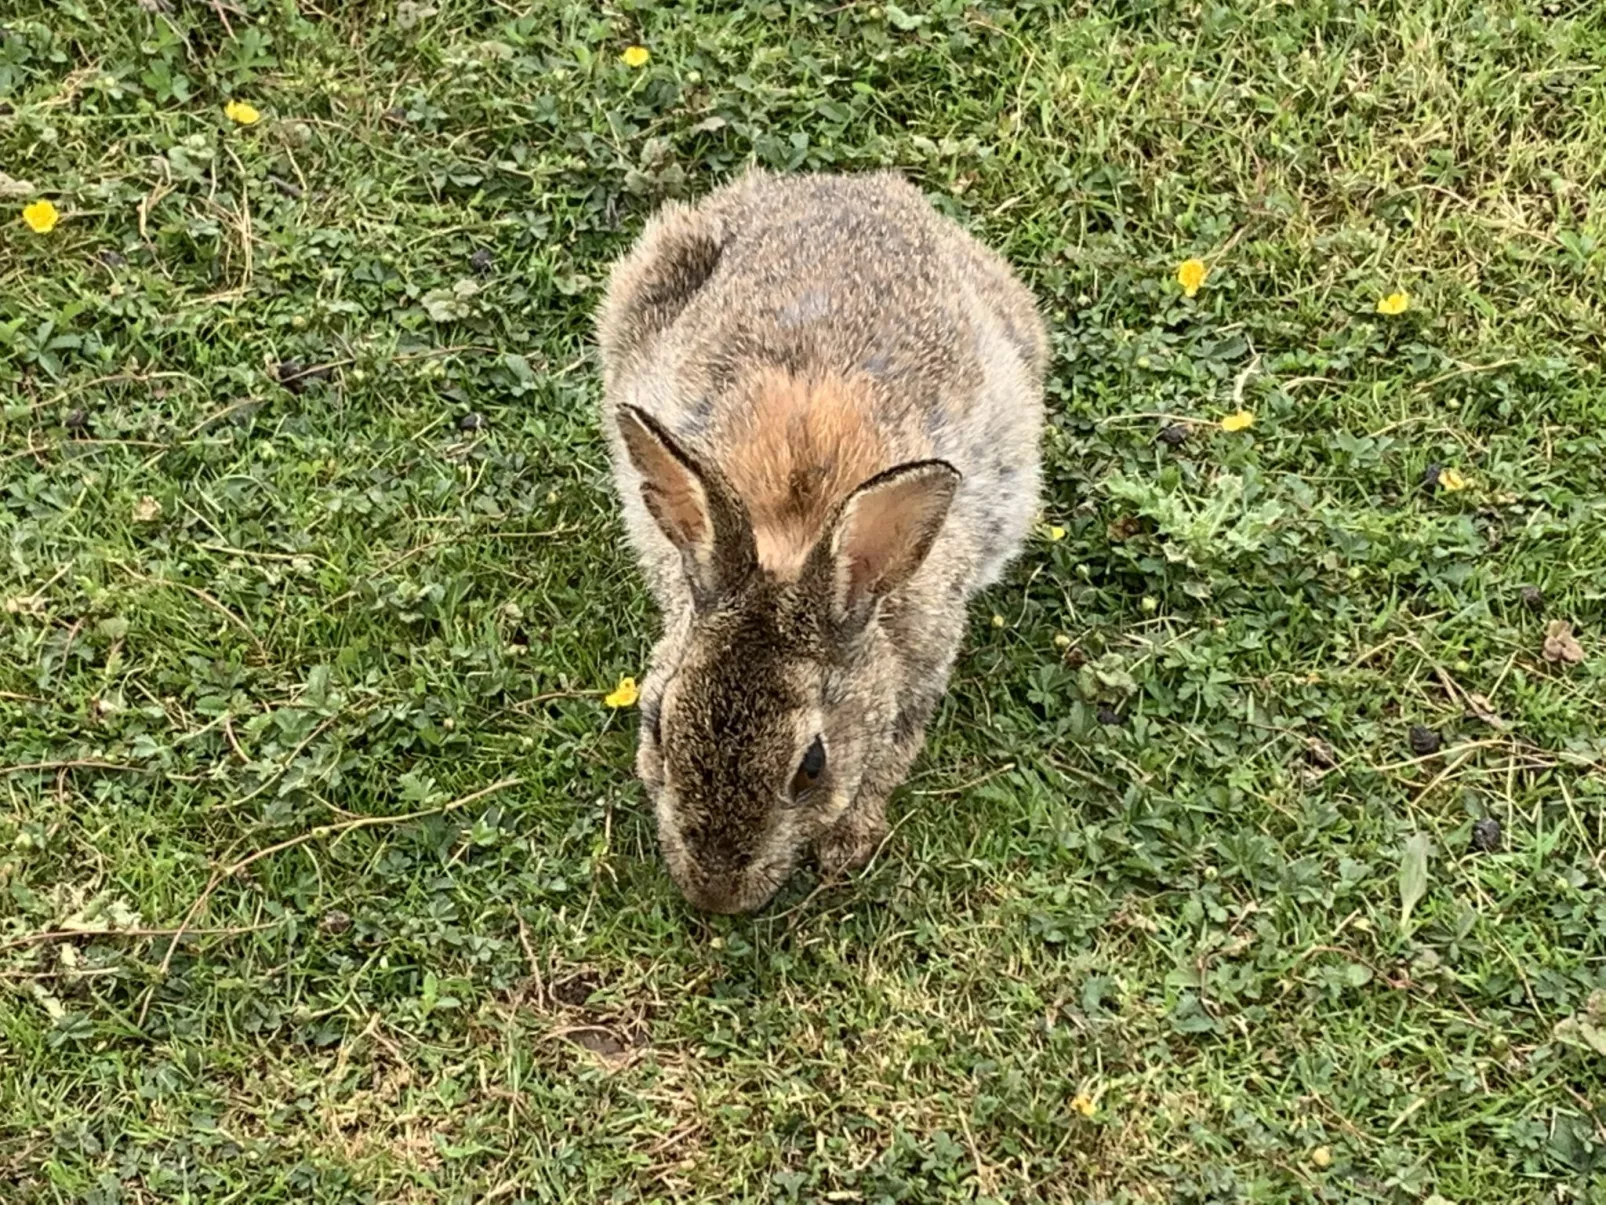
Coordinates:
714	897
724	905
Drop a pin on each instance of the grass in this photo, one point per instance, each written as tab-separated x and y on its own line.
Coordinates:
301	659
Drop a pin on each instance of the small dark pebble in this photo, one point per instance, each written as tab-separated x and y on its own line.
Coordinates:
335	921
111	259
1424	740
1430	476
289	374
1110	716
482	261
1486	835
1175	435
76	420
1533	598
472	421
295	376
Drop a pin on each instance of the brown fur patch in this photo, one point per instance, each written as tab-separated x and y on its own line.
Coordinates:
799	447
670	488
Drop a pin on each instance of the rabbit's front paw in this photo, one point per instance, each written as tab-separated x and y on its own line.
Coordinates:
851	842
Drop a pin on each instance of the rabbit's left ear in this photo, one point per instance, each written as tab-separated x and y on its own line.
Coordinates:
693	506
880	536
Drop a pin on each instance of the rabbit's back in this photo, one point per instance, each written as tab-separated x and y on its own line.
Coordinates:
805	333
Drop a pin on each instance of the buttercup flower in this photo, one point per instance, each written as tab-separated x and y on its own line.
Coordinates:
635	56
1240	421
241	113
1083	1104
623	695
1451	479
1395	303
41	217
1190	275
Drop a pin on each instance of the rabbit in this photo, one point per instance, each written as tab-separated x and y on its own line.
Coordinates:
823	403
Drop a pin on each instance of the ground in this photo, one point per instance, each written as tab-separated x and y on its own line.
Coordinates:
313	586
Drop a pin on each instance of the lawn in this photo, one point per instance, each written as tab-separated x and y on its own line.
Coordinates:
1257	852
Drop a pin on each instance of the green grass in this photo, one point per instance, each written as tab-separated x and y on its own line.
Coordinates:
353	604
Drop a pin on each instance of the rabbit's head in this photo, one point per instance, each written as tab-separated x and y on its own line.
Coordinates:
769	696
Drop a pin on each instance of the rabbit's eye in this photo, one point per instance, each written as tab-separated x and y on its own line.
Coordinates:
810	769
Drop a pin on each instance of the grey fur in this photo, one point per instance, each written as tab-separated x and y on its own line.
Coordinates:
857	278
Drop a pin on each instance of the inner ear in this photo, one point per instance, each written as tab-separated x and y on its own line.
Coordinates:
694	508
882	533
671	482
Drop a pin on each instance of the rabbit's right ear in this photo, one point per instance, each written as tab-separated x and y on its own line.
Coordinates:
693	506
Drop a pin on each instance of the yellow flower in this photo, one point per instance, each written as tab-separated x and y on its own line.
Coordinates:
998	621
1083	1104
1452	480
1240	421
623	695
1322	1157
241	113
635	56
1054	533
1395	303
1190	275
41	217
